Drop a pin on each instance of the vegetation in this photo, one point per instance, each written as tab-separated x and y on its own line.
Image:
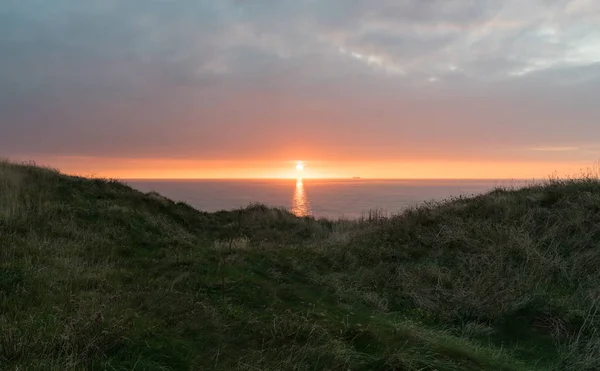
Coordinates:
97	276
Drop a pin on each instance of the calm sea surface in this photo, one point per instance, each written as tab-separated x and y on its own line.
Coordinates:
321	198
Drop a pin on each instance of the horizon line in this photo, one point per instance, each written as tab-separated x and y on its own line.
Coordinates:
337	178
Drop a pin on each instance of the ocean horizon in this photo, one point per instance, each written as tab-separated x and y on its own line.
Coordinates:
330	198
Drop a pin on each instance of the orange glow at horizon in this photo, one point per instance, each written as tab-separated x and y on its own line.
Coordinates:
195	169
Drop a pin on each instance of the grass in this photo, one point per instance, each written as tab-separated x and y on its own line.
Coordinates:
97	276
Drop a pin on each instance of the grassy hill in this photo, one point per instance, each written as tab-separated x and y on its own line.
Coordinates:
97	276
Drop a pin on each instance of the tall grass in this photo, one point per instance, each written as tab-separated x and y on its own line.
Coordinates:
95	275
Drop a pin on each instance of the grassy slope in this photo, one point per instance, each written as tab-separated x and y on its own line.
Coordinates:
95	275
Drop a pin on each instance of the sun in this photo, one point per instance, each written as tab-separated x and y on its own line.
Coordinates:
300	166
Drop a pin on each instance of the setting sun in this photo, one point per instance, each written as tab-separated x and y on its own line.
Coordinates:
300	166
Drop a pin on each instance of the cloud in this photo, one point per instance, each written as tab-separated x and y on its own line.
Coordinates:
555	149
224	79
205	37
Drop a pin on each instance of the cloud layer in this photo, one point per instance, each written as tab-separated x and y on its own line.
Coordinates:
335	79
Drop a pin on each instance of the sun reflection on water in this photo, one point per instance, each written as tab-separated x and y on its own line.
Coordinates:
300	204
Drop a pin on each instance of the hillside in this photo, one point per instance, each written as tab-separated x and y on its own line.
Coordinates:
97	276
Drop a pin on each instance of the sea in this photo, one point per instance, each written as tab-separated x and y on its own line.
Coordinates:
328	198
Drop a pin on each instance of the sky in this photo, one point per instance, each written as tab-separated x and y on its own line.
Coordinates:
246	88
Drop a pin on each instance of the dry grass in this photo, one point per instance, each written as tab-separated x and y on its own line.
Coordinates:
94	275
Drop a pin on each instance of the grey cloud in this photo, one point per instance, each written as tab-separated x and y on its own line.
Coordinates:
95	68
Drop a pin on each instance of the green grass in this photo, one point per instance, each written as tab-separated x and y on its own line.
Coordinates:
97	276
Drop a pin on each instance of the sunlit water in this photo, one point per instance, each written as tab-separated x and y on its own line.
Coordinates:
300	204
350	198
